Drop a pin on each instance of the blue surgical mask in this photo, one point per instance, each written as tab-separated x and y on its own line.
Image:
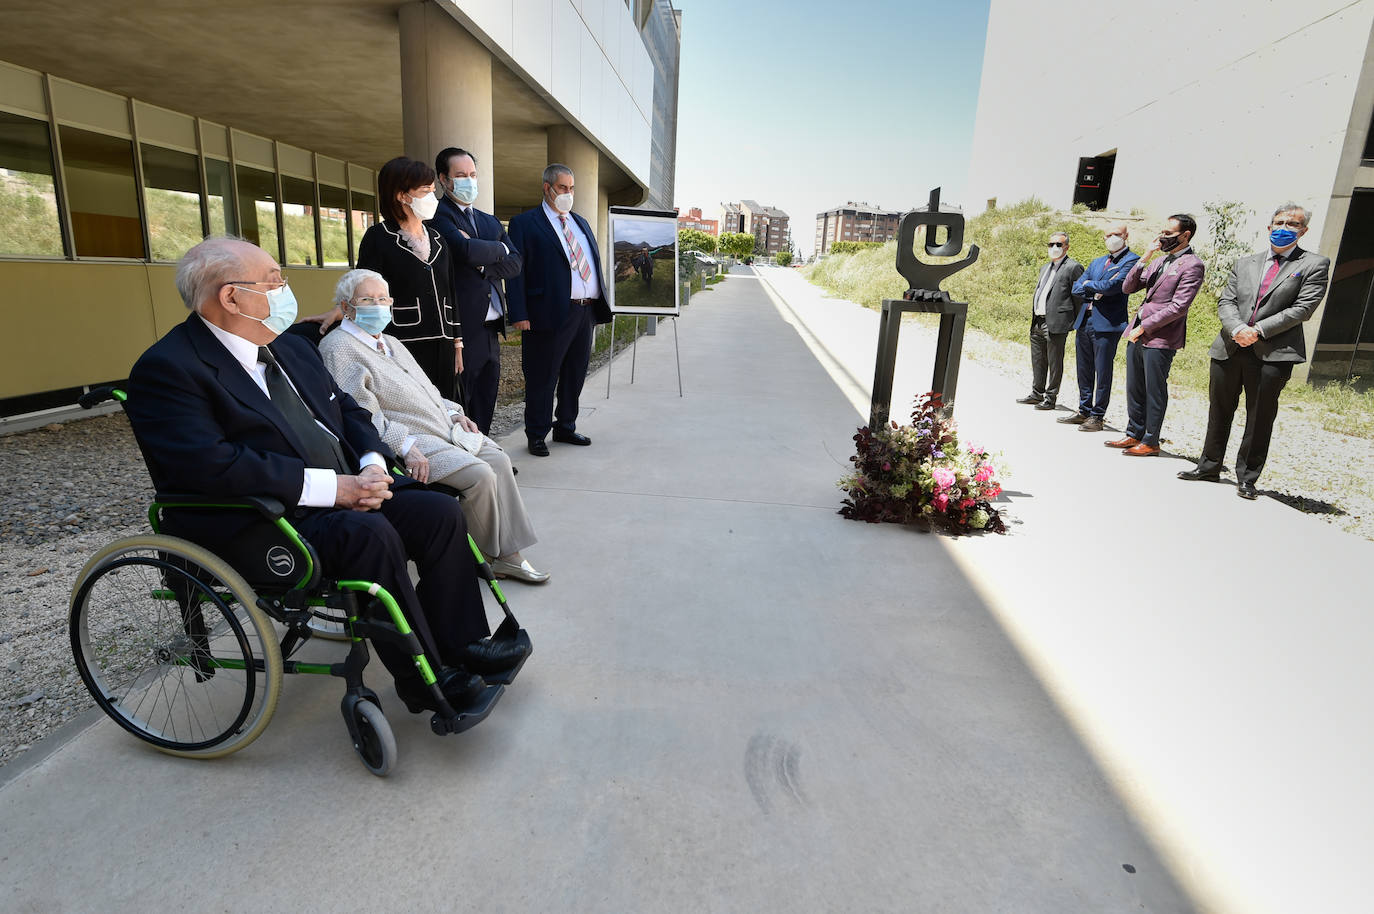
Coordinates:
281	309
465	190
1282	237
372	318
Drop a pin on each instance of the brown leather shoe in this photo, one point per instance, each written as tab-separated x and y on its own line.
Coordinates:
1126	442
1141	450
1091	424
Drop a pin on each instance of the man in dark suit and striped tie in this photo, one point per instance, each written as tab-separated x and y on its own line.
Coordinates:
555	302
1267	298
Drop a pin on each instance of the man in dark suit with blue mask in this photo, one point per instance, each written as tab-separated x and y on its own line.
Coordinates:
1100	323
556	301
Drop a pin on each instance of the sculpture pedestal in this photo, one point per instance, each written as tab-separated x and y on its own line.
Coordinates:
948	349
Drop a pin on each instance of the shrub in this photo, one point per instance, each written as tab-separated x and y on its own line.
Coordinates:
852	247
783	258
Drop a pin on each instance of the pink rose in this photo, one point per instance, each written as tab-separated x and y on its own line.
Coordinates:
941	502
966	503
944	478
984	472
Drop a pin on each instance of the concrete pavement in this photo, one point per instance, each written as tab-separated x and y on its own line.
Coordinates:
741	702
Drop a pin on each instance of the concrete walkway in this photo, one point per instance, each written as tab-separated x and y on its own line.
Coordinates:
1149	696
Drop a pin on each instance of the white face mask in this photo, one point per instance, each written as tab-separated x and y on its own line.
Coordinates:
424	206
1056	251
563	203
1114	243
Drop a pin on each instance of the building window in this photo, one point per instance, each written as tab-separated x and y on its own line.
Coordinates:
171	196
219	197
334	225
298	220
101	194
257	209
28	195
364	217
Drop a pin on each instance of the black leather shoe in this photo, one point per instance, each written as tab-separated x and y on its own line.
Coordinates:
1195	476
459	687
567	437
487	656
1247	490
1029	400
538	448
1046	404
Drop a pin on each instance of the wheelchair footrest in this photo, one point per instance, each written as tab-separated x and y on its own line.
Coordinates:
506	677
471	716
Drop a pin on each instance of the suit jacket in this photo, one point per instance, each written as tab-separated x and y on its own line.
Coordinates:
206	428
479	262
1104	277
1291	298
423	289
1061	306
542	292
400	397
1170	290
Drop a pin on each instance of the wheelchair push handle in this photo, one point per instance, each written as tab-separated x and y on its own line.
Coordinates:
98	395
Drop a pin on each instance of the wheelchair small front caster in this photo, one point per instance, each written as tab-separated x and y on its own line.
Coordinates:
371	734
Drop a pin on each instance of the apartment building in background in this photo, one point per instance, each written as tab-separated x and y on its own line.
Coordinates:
855	222
693	220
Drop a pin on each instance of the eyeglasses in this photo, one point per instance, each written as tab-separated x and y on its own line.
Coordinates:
274	283
384	300
1288	223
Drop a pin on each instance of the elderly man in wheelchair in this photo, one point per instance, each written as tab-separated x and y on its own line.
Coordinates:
281	510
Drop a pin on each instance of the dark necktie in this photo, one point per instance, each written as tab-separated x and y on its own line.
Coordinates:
1265	283
321	448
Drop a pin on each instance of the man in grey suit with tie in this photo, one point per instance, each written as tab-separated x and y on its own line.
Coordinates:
1054	308
1267	298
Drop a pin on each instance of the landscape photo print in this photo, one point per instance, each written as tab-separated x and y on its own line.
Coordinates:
644	262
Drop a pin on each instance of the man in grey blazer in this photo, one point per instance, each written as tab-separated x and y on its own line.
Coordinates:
1267	298
1054	308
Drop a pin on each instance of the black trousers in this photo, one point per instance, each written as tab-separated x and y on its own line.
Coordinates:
435	358
445	610
1262	382
1147	391
1047	359
555	362
1096	354
482	373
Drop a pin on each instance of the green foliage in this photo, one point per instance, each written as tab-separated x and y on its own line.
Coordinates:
851	247
635	293
696	240
28	216
783	258
1222	248
736	244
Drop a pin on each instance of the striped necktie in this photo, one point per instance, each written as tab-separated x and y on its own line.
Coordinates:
579	262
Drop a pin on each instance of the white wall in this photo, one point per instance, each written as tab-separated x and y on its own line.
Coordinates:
586	56
1243	100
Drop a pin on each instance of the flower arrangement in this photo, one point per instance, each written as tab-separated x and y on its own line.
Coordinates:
919	473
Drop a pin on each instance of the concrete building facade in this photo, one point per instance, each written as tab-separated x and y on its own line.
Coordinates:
1235	100
768	225
855	222
124	139
693	220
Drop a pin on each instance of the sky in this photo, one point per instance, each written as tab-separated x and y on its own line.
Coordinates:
805	105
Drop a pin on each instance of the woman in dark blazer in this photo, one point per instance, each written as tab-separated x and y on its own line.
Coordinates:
414	260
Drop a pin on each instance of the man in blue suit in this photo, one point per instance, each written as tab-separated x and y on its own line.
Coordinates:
555	301
482	255
1100	323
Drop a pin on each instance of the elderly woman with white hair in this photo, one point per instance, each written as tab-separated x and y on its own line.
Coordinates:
438	443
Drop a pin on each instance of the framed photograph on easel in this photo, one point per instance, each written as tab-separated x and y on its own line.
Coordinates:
644	275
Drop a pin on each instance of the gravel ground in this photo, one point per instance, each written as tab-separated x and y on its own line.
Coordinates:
49	529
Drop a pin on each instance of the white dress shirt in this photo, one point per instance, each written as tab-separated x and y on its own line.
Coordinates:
588	288
1044	295
320	488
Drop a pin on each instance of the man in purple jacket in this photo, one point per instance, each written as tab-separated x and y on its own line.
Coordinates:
1159	330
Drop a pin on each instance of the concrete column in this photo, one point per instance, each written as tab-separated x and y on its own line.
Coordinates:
603	229
446	92
568	146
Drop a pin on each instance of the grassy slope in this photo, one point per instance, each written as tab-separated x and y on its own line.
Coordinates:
1000	285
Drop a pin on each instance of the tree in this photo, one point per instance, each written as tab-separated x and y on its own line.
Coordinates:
736	244
696	240
783	258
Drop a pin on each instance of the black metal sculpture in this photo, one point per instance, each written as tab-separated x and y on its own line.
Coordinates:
925	296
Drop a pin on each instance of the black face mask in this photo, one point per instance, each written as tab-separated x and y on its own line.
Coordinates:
1167	243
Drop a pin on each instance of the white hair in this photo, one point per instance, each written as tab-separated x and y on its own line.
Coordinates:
349	282
552	173
1293	208
208	266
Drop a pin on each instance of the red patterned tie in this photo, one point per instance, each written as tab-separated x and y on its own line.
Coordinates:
578	261
1264	286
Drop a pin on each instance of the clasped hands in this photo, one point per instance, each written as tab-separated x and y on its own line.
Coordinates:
1245	336
366	491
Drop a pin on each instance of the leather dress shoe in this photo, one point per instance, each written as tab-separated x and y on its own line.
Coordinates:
1196	476
538	448
521	572
566	437
488	656
1047	403
1091	424
1072	419
459	687
1029	399
1247	490
1142	450
1126	442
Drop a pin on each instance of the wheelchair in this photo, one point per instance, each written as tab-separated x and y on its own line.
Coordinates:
186	649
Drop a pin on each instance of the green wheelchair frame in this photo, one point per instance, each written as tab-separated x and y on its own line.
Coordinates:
175	645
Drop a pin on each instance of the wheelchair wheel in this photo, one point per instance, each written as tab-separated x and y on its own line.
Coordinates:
328	625
375	742
171	644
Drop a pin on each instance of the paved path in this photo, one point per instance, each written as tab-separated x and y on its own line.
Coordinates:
741	702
